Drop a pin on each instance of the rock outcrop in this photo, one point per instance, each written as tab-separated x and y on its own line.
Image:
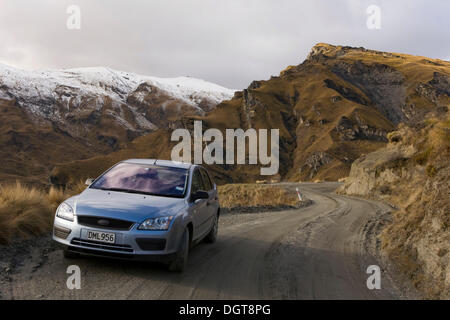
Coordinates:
413	173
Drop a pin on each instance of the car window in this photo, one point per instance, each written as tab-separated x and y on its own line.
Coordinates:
146	179
206	180
197	182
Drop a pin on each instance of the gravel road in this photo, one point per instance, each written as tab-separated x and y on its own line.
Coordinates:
318	252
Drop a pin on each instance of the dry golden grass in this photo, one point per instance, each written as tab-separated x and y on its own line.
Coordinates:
27	211
77	188
255	195
56	196
424	216
24	212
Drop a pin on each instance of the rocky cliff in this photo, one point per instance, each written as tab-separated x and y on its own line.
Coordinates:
413	173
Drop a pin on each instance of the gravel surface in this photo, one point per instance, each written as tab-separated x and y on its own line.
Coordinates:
320	251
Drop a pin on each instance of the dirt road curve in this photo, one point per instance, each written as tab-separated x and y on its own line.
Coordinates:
318	252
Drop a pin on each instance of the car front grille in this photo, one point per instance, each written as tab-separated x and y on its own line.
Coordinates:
104	223
98	245
102	253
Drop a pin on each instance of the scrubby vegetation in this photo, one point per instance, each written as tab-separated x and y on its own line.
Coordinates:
28	211
413	172
25	211
419	237
255	195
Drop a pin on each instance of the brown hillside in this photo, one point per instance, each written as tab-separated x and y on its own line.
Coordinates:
29	150
338	104
413	172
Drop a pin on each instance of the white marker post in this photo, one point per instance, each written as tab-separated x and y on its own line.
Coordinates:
300	198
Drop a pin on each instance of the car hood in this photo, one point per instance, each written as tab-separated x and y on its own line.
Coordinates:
125	206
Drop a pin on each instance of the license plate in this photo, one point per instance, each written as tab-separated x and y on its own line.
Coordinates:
101	236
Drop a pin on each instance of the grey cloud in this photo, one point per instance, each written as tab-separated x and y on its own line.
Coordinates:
229	42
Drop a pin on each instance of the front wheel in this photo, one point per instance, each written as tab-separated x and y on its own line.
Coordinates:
212	235
180	261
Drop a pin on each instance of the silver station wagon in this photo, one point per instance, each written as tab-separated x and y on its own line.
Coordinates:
141	209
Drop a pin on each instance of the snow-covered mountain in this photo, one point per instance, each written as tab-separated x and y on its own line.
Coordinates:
78	99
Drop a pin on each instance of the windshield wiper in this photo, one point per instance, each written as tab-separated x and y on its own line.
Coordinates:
129	191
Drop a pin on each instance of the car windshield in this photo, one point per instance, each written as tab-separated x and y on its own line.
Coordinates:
144	179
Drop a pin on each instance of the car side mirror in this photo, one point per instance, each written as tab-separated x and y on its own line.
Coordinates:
199	195
89	181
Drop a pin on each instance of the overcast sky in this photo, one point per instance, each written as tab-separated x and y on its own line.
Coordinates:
230	42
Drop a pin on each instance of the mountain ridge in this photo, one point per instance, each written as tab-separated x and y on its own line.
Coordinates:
96	110
75	98
339	104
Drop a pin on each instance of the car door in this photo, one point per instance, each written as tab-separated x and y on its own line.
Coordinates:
200	210
211	208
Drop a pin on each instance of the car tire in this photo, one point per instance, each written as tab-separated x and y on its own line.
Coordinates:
180	261
70	254
211	237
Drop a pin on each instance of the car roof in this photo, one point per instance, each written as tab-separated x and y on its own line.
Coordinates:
163	163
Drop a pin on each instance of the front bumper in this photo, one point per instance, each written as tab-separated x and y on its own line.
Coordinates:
129	244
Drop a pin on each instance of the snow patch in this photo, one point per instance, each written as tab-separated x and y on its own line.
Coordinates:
41	91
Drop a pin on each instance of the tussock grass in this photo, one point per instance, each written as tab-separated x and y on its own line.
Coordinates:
255	195
423	217
56	196
26	211
77	187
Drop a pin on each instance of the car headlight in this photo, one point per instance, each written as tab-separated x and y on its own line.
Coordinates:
65	212
161	223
